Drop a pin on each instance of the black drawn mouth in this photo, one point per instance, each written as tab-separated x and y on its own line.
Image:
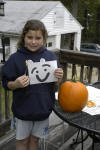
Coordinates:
42	80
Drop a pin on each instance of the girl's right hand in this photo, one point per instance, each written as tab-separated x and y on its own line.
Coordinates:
21	81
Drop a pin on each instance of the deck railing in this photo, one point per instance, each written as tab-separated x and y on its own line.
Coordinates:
81	66
84	67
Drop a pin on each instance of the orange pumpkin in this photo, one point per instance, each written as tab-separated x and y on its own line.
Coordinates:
72	96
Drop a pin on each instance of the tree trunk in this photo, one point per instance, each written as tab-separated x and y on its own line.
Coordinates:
97	27
75	8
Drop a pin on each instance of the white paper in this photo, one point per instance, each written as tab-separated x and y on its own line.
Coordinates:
94	95
42	72
56	95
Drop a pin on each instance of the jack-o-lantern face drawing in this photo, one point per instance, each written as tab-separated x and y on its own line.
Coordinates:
43	71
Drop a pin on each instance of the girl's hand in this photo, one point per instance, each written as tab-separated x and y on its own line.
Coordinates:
58	74
21	81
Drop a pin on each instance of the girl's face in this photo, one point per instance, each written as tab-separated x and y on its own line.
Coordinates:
33	40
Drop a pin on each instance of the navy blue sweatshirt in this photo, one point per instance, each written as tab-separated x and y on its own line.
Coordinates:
34	102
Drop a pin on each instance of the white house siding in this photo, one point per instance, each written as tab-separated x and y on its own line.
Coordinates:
13	44
51	42
77	41
1	57
58	41
0	42
70	25
48	20
55	40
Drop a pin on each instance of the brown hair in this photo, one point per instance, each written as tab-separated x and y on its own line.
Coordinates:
32	25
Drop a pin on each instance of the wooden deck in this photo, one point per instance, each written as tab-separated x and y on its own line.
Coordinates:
82	66
61	138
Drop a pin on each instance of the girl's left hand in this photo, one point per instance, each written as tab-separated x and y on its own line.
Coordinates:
59	74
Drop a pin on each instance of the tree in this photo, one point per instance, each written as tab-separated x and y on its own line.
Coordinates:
75	8
89	17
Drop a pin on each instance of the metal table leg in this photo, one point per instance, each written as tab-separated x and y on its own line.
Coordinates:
81	139
92	144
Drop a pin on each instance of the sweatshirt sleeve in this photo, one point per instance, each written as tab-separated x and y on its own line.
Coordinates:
8	72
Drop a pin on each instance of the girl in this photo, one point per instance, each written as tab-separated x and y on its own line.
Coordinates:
32	104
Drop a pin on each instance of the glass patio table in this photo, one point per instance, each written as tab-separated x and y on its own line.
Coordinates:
82	120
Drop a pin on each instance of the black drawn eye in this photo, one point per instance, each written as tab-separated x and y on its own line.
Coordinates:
46	65
33	70
45	69
37	71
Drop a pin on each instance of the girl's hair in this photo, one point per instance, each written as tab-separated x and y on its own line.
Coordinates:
32	25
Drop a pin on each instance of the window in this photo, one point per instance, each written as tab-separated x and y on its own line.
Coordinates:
6	42
67	41
46	45
50	44
1	8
